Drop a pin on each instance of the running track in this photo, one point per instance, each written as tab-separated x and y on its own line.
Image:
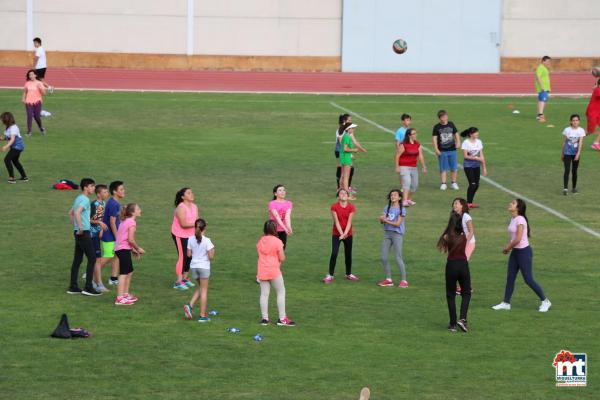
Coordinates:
301	82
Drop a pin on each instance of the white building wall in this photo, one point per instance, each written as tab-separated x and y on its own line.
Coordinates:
559	28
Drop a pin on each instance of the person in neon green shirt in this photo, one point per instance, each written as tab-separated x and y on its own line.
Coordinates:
348	146
542	86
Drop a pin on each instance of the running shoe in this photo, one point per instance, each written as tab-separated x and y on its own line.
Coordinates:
412	203
11	180
352	190
74	290
102	288
452	328
90	292
385	283
595	146
188	311
502	306
443	186
462	324
403	284
328	279
265	321
472	205
458	290
405	204
131	297
574	191
545	306
285	321
180	286
24	179
43	131
188	283
565	191
454	186
113	282
352	277
123	301
203	319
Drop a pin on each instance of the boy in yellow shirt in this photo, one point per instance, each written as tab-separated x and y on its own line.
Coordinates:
542	86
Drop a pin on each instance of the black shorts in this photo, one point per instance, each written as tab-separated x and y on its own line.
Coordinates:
96	243
41	73
337	154
125	262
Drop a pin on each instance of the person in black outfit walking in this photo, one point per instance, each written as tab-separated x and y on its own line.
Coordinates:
453	241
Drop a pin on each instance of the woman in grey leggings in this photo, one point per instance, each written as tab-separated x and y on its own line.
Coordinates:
393	232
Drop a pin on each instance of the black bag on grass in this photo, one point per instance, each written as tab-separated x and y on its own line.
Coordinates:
62	331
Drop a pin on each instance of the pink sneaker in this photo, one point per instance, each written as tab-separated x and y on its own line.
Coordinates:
352	277
458	290
285	321
405	203
412	203
130	297
385	283
328	279
123	301
595	146
403	284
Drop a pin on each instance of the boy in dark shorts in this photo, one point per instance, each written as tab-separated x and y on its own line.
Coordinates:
40	63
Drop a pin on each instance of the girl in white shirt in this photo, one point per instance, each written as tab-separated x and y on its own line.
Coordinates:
202	251
474	162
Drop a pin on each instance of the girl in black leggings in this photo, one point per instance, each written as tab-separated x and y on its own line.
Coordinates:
14	147
571	150
453	241
474	162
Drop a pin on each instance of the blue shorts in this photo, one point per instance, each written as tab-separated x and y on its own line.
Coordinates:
448	161
544	96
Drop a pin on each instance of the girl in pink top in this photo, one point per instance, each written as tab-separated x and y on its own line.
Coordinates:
125	244
270	256
32	98
521	256
184	218
280	211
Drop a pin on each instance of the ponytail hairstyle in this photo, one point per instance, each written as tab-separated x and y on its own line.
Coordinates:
199	226
275	190
179	196
469	131
127	211
270	228
343	128
343	118
407	134
521	210
453	234
389	197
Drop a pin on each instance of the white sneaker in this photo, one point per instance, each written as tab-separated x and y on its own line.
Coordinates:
502	306
454	186
101	288
545	306
443	186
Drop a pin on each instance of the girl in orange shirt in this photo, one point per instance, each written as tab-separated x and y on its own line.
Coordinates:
32	98
270	256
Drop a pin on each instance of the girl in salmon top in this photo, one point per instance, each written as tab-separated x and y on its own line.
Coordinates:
184	218
32	98
270	256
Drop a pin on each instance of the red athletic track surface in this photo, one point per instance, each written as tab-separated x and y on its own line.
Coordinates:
301	82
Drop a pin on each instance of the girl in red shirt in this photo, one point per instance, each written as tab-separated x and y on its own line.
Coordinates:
342	213
593	115
406	165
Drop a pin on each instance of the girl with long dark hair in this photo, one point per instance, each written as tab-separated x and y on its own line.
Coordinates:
406	164
571	152
453	241
33	92
393	233
184	219
474	162
15	147
280	211
521	256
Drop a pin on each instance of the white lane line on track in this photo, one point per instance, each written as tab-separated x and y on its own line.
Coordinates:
483	178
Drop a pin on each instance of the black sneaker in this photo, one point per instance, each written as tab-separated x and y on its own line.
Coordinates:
574	191
24	179
462	324
74	290
452	328
265	321
91	292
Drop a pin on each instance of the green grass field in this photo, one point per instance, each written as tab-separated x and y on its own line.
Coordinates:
231	149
